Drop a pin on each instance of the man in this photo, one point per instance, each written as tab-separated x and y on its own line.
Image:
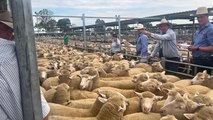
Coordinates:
116	44
202	45
66	39
141	44
168	44
10	95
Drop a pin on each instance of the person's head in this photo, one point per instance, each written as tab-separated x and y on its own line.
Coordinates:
164	25
140	28
6	26
114	35
202	15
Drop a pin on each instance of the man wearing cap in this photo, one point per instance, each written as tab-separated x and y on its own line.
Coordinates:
141	43
202	45
10	95
167	41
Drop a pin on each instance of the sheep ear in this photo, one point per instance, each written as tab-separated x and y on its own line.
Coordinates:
164	72
205	71
102	100
197	93
138	94
158	98
201	104
189	116
53	87
101	94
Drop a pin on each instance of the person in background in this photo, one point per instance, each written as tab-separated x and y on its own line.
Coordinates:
202	45
116	44
169	44
141	44
66	39
10	92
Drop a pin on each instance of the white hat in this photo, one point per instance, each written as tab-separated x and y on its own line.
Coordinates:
201	11
6	18
139	26
164	21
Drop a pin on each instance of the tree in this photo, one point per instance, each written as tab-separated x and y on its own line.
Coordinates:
99	28
63	24
51	25
44	19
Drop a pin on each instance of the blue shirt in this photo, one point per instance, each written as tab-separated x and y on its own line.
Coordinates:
142	45
203	37
168	43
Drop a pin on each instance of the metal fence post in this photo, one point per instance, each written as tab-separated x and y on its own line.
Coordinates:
119	27
84	32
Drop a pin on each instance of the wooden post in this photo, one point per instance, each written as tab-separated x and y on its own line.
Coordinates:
26	54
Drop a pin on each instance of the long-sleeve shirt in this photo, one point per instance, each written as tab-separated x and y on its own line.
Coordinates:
169	43
142	45
157	48
203	37
10	92
116	46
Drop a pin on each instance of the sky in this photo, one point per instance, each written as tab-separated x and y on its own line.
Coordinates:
110	8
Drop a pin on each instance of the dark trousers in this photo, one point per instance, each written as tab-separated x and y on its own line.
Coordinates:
138	53
172	66
207	61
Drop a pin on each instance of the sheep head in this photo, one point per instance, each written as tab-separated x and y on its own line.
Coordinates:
199	78
87	82
157	67
151	85
147	99
140	77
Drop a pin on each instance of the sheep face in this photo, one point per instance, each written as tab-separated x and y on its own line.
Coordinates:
206	113
199	78
159	76
132	63
140	78
86	82
147	99
157	67
151	85
179	106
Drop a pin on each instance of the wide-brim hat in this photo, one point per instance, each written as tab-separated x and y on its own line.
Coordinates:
164	21
139	27
202	11
6	18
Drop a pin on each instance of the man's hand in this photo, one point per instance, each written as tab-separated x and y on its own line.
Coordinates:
192	48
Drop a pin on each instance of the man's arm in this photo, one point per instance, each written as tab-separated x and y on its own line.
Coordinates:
166	36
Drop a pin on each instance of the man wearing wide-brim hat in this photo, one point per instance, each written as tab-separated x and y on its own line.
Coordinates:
141	43
166	42
202	45
10	92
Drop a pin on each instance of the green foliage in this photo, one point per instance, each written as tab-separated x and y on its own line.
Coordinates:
44	20
63	24
99	28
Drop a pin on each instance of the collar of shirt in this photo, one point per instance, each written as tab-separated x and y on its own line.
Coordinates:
203	27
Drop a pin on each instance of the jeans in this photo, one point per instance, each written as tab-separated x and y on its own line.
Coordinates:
207	61
172	66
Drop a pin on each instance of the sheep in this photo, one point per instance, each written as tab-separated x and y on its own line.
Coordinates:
62	94
169	117
210	94
60	110
179	106
52	81
147	67
126	93
206	113
136	71
151	85
200	77
89	83
76	94
147	99
183	83
49	94
196	88
157	67
172	78
82	103
140	78
113	109
117	57
203	99
142	116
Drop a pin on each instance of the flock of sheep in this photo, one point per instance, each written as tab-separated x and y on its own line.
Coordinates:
95	86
